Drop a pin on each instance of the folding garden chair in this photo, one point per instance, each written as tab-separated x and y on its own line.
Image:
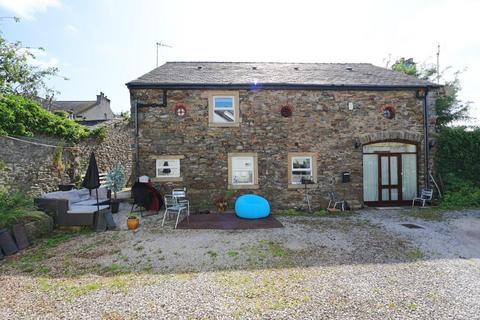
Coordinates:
334	200
426	195
173	206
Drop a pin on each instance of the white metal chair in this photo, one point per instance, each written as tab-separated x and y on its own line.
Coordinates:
173	206
335	200
426	195
181	195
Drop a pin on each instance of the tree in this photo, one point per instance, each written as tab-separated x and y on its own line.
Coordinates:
18	75
448	106
406	66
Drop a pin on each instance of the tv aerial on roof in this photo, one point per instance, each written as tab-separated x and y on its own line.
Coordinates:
161	44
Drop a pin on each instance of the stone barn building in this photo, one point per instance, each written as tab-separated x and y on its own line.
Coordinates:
284	129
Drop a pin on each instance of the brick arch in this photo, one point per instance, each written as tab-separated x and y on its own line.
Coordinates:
390	135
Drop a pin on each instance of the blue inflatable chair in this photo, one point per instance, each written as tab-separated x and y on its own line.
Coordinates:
251	206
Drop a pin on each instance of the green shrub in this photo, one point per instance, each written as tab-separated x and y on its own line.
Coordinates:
99	133
458	164
116	179
458	156
20	116
16	207
61	113
465	196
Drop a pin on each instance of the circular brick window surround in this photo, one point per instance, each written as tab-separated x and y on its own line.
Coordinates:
180	110
286	111
388	112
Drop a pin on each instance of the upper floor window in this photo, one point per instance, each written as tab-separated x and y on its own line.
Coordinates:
223	109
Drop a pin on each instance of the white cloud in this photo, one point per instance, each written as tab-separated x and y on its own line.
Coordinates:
27	8
70	28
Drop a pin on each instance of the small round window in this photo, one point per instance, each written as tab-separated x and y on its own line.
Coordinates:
388	112
286	111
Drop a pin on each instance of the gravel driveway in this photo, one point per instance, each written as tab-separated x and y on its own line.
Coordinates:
365	265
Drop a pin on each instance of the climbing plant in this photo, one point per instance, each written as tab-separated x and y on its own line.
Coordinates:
20	116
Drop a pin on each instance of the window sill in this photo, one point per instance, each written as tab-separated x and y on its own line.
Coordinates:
226	125
302	186
243	186
166	179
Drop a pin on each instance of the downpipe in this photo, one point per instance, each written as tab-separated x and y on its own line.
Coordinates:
426	142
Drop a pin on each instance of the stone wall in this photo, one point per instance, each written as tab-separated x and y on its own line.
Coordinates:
321	123
29	166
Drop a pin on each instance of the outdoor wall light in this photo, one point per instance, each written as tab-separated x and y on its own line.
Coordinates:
356	144
431	144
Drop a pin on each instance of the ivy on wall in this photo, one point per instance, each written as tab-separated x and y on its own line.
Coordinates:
21	116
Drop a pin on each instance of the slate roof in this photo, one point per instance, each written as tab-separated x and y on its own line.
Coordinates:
75	106
274	74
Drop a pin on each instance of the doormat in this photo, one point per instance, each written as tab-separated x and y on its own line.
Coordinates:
227	221
411	226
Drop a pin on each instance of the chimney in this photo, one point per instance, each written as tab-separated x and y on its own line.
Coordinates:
101	97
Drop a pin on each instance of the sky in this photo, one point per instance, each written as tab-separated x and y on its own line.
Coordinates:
102	44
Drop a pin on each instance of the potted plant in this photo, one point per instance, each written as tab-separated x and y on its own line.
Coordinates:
221	201
132	221
115	182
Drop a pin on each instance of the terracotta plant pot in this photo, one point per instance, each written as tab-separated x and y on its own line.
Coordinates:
132	223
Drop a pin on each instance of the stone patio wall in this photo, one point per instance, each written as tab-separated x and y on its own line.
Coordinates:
27	164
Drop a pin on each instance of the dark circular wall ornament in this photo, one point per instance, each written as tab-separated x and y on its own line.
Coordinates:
388	112
180	110
286	111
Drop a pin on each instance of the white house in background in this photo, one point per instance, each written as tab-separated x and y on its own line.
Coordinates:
86	112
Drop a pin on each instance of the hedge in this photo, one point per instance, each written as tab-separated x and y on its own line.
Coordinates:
458	164
458	156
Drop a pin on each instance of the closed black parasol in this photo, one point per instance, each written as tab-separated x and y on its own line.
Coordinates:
92	178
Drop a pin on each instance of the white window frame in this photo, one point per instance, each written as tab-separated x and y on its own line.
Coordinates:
294	170
248	170
215	108
234	95
231	170
313	168
174	162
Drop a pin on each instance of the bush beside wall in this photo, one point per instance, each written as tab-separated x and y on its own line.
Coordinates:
20	116
458	164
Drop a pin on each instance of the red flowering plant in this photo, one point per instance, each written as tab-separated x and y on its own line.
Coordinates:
221	201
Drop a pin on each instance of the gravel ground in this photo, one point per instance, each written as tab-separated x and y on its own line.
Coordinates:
361	266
